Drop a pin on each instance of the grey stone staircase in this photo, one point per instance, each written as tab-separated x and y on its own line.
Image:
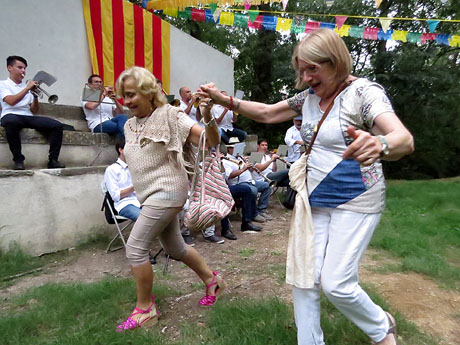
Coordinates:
80	148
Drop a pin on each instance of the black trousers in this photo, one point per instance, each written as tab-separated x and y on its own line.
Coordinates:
50	128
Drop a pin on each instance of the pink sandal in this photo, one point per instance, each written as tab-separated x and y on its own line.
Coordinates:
150	320
220	284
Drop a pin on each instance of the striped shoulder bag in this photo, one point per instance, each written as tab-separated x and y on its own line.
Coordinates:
210	199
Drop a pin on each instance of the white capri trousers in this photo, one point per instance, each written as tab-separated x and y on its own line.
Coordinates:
341	237
153	222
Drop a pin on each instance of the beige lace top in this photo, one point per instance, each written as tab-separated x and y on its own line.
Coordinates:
154	151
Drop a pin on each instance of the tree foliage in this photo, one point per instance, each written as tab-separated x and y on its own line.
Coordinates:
422	80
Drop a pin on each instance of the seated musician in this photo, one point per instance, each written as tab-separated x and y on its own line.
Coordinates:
189	105
241	185
105	116
267	166
19	103
225	119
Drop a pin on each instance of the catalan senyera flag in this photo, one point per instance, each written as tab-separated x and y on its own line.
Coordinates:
122	35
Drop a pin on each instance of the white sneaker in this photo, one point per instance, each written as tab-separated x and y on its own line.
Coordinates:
265	215
259	219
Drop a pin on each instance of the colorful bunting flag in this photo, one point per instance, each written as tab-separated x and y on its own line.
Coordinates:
400	35
432	24
428	37
122	35
285	2
340	20
247	5
454	41
310	26
300	25
253	15
256	23
344	30
227	18
283	24
377	3
385	23
370	33
241	20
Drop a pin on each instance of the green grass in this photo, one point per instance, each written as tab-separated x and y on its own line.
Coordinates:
75	314
15	261
246	252
421	226
86	314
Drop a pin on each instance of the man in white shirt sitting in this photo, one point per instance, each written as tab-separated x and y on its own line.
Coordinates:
225	119
19	106
107	115
240	184
120	186
187	104
267	166
293	140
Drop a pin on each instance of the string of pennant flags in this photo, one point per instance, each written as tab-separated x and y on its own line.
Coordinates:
182	4
299	24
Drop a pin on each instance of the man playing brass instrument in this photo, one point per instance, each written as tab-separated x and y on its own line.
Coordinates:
19	106
187	104
100	115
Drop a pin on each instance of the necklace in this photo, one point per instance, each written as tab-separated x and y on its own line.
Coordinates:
140	126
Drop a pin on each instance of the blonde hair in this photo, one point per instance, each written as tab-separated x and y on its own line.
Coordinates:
319	46
146	84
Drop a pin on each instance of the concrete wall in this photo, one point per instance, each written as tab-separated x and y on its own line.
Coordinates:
194	63
51	35
43	212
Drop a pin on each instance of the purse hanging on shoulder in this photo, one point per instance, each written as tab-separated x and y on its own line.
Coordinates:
289	199
210	199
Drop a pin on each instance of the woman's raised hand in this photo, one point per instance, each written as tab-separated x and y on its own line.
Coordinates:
365	148
211	91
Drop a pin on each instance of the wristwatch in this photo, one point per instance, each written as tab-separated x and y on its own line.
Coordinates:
385	147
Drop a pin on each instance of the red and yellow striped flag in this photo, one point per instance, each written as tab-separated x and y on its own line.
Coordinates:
122	35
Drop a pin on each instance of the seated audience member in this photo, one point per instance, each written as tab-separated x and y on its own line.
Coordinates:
107	115
293	140
267	166
19	106
241	185
120	186
187	104
225	119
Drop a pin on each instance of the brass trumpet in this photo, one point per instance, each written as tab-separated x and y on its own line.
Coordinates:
197	100
39	92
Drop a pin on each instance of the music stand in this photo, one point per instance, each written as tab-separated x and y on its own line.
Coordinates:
44	77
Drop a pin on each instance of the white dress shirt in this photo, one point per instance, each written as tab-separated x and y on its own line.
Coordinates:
227	122
268	170
103	112
230	167
192	114
117	178
292	135
8	88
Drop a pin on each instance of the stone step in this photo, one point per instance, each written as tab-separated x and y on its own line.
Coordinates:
79	149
